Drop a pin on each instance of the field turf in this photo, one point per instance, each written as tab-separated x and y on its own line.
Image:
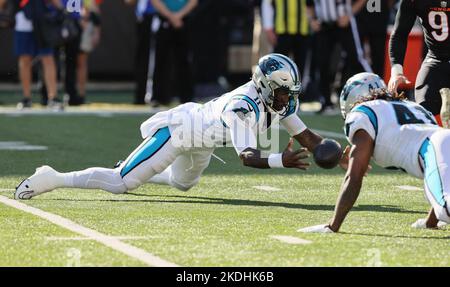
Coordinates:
223	221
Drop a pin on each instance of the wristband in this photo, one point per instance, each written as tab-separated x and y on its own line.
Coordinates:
275	160
396	70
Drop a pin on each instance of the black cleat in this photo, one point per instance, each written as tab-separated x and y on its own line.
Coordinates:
24	104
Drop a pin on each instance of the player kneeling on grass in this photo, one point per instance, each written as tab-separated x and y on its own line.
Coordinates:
398	134
178	143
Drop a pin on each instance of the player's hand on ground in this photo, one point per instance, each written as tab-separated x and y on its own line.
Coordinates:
293	159
395	81
421	223
322	228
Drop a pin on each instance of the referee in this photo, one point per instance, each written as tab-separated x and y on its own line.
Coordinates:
335	23
286	25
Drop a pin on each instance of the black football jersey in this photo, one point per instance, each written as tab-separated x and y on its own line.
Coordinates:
434	15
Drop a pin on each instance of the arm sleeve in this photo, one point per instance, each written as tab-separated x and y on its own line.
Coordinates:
293	124
267	14
404	21
356	121
240	117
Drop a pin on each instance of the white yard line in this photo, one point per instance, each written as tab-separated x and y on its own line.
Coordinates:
79	238
15	145
290	239
91	112
321	132
330	134
104	239
409	187
266	188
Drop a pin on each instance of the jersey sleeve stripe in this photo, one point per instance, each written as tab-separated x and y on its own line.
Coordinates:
371	114
291	107
253	104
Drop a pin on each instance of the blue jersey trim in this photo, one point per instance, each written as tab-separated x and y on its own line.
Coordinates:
253	104
431	172
150	147
371	114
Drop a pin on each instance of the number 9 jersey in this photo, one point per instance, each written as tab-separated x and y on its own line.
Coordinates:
398	128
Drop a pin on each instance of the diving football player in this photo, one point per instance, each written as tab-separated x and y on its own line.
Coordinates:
178	143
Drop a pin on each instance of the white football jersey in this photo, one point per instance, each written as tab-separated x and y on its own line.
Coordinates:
235	117
398	128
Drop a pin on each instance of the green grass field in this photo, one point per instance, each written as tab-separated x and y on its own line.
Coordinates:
223	221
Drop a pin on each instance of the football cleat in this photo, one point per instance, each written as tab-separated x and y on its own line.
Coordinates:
36	184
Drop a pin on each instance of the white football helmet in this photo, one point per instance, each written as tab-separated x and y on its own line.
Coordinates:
275	71
357	88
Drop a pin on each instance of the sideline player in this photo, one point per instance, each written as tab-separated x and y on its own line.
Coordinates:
398	134
434	74
178	143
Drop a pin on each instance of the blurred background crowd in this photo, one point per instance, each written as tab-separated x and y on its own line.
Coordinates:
184	50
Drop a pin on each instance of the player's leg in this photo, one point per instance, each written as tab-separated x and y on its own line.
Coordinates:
25	75
301	46
25	48
445	109
183	62
351	43
445	97
151	157
283	45
436	161
432	77
186	170
325	44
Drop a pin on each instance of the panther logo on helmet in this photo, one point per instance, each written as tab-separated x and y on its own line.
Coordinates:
270	65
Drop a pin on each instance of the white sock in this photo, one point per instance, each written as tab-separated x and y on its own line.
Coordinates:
95	178
55	182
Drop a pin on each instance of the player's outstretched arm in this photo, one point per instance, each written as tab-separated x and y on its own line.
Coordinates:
289	158
404	21
308	139
360	155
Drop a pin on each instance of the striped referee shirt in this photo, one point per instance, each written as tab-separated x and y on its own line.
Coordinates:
286	16
329	11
